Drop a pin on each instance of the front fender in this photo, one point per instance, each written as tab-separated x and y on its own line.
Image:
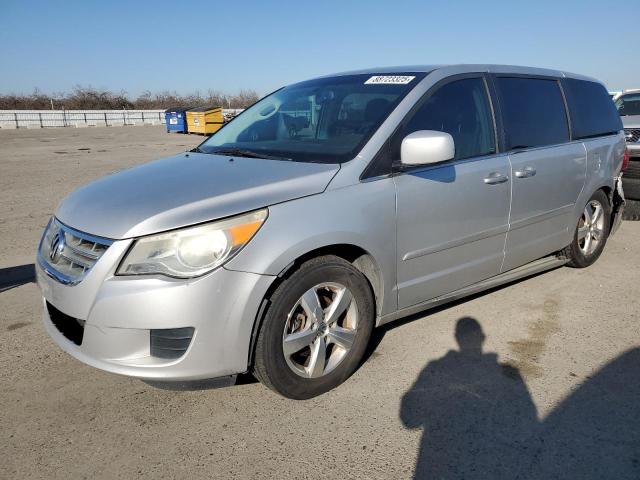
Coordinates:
362	215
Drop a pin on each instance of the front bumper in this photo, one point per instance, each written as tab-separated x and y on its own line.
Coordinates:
631	187
631	176
634	149
120	312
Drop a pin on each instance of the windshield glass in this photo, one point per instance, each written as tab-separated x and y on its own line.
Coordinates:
628	104
326	120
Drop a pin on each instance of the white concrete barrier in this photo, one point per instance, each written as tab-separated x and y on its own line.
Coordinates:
83	118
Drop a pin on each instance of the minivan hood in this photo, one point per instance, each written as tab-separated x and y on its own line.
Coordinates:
631	121
187	189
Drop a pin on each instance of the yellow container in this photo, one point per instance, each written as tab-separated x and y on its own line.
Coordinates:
204	120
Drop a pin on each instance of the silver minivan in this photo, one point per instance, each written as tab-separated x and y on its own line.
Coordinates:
328	208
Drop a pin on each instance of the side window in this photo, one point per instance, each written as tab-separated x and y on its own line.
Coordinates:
592	111
460	108
533	112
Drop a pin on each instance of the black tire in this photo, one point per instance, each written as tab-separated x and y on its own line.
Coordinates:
270	365
576	257
631	210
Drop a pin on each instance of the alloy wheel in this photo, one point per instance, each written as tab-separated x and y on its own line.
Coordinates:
591	227
320	330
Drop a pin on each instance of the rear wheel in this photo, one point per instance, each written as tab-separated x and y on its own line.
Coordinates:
591	232
315	330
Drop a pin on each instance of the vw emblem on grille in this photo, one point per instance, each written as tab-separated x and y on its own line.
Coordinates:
56	247
629	136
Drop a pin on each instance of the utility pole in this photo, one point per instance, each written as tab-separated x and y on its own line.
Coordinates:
51	100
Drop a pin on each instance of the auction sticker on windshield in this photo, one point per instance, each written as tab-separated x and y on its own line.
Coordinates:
390	79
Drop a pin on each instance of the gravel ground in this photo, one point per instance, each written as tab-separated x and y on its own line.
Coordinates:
553	394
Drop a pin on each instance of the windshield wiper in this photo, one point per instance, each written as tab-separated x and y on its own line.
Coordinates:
239	152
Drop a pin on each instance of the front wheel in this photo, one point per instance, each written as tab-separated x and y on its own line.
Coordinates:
591	232
316	329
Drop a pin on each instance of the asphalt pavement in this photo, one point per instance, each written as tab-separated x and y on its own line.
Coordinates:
538	379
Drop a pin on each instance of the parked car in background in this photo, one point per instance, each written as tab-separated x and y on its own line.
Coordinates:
277	254
628	105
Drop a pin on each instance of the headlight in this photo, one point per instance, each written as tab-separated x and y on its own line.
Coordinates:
191	251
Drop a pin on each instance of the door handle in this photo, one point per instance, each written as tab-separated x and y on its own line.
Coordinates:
526	172
495	178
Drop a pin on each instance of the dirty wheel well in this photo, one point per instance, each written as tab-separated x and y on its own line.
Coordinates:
357	256
608	191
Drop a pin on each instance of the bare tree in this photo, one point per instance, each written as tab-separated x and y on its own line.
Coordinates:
90	98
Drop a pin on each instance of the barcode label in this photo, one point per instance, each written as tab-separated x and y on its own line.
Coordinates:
390	79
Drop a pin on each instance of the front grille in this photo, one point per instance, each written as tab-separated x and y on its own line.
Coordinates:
67	254
170	343
632	135
72	328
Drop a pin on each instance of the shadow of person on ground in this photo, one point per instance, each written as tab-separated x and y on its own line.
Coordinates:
477	415
479	420
15	276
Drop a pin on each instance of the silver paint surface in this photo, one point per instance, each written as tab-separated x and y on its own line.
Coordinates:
427	233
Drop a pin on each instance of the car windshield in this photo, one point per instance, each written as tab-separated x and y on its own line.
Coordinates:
327	120
628	104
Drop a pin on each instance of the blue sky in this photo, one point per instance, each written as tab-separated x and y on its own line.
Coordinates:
228	45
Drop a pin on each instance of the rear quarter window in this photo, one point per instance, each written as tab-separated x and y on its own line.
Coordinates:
533	112
592	112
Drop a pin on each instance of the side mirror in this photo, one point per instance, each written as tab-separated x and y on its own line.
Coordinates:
427	146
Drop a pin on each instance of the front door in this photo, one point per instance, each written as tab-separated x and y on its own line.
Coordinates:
452	218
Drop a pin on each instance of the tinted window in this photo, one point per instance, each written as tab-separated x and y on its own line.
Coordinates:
591	109
628	104
460	108
533	112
